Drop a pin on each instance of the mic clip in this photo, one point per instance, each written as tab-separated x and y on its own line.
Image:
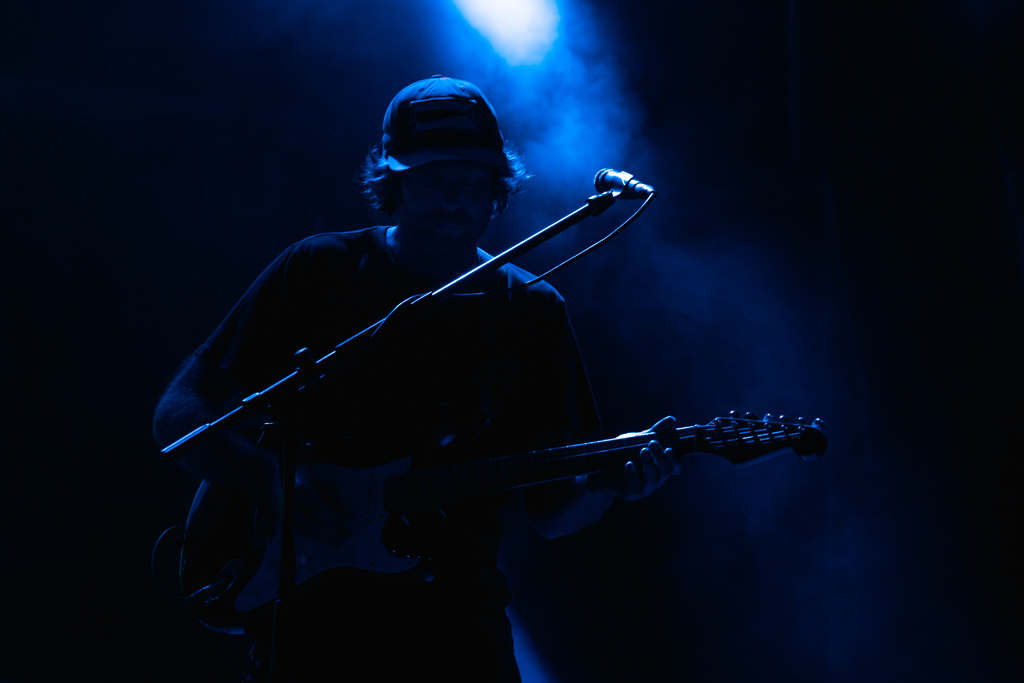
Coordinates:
599	203
621	184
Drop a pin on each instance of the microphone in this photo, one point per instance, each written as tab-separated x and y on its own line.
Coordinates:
621	184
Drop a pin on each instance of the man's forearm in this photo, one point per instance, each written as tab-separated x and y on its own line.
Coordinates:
563	507
228	457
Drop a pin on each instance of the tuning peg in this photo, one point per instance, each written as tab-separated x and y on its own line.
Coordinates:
799	420
750	416
817	423
767	417
782	418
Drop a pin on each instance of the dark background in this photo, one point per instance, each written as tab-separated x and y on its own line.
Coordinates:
839	233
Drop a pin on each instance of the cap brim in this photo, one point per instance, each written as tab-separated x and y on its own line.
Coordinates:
402	162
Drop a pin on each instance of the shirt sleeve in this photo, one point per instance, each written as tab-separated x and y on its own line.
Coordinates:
559	404
583	415
256	342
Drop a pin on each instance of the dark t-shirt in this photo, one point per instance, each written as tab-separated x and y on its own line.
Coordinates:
480	377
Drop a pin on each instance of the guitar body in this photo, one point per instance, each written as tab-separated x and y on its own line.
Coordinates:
231	555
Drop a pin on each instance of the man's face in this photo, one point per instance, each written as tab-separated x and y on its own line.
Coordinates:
448	203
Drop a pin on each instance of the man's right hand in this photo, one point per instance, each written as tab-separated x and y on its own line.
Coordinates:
319	513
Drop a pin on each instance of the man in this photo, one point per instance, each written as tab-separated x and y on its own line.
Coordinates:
481	377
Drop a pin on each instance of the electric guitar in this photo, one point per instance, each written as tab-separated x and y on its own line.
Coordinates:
231	551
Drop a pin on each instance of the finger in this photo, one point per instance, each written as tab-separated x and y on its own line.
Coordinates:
313	504
663	461
677	467
665	424
632	479
651	474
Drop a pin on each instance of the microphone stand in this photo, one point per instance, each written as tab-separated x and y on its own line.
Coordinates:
309	373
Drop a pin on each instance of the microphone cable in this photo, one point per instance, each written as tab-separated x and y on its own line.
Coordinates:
523	285
569	260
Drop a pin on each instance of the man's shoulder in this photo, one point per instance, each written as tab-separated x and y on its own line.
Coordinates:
332	254
356	241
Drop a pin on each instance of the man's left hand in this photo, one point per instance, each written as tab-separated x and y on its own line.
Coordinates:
643	475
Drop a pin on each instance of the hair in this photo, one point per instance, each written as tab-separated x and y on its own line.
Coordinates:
380	183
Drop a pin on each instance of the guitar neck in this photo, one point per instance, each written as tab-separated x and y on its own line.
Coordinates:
435	487
740	441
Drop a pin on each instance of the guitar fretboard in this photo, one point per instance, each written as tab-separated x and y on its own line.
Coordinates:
435	487
737	440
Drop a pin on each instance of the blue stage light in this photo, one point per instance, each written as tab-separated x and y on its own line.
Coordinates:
521	31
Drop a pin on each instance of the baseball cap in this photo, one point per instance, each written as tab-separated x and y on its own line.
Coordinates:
441	118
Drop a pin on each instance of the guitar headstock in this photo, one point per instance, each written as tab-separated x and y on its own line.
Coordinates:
744	440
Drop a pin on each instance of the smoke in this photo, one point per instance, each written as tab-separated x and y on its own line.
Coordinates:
521	31
168	151
696	309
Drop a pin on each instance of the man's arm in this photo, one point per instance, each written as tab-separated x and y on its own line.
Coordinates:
198	394
563	507
201	393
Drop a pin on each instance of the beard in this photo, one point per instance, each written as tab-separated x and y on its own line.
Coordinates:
445	221
451	228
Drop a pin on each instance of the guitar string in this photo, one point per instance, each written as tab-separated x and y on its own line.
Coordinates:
480	474
428	489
